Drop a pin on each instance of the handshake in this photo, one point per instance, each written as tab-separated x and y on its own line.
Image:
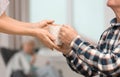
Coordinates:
58	37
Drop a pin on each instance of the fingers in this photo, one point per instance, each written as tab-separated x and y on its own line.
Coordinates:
61	34
51	36
46	28
67	26
51	44
54	25
45	23
62	29
51	41
61	37
50	21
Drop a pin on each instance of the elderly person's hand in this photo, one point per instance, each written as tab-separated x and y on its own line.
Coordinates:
67	34
64	49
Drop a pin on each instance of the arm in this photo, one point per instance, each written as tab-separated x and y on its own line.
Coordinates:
107	63
11	26
7	22
40	24
77	65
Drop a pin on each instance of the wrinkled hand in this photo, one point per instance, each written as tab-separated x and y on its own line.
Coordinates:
46	38
64	49
67	34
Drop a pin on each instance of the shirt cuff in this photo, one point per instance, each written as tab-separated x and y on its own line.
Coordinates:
79	46
77	40
71	54
76	43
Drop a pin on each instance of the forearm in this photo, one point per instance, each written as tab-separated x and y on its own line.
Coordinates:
11	26
77	65
21	23
104	62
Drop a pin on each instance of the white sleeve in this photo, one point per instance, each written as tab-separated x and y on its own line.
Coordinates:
3	6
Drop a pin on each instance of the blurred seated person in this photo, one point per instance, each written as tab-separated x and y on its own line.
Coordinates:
24	60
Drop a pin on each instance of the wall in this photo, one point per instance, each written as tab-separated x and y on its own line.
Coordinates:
89	17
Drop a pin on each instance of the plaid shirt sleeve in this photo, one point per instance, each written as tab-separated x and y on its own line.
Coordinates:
77	65
107	63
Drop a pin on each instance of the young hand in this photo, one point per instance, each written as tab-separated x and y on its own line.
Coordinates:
46	38
43	24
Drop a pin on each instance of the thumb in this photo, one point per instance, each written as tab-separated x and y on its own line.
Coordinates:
50	21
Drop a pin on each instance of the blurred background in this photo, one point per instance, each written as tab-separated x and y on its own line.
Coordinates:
89	18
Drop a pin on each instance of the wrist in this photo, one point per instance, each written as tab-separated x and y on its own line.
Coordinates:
67	52
74	39
33	32
34	25
37	32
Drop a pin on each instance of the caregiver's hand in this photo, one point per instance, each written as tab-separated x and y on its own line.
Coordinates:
43	24
67	34
45	37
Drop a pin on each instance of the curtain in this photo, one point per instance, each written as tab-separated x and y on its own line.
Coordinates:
18	9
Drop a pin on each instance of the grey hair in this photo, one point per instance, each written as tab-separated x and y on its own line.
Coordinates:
26	39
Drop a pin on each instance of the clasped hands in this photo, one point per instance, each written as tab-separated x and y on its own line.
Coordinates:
66	35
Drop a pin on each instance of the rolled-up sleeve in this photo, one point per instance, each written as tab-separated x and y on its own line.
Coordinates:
3	6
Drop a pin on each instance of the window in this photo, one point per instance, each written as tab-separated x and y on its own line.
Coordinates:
47	9
89	17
